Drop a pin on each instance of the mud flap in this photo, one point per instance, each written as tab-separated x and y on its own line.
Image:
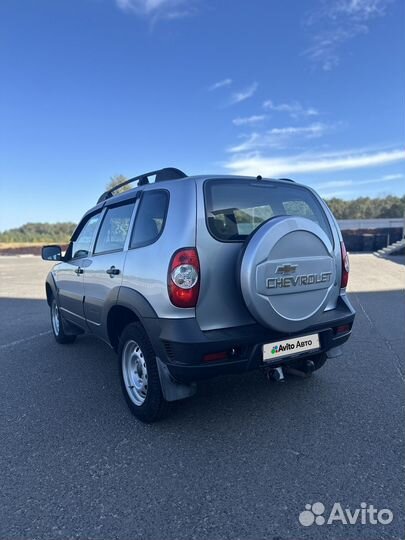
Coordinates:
171	389
71	329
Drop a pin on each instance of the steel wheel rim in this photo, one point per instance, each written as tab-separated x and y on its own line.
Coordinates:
134	372
55	318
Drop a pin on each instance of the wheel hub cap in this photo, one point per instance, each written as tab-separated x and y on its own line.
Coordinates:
55	318
134	372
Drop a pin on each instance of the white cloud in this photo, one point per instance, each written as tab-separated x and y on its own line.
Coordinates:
312	130
361	9
354	183
339	21
278	137
294	108
331	194
167	9
252	142
389	177
334	184
382	179
324	48
285	165
220	84
247	93
248	120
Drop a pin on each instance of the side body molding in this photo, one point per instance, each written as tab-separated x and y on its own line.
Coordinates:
52	291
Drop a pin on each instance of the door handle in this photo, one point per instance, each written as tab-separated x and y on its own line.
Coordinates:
113	271
79	270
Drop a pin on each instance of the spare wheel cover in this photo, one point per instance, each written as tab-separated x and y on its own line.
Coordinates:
287	272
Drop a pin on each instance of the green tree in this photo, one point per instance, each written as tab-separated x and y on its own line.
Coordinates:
367	208
115	181
39	232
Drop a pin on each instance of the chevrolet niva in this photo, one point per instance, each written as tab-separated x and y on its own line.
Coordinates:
192	277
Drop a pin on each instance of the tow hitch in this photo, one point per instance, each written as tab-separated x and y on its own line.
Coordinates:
278	374
275	374
304	371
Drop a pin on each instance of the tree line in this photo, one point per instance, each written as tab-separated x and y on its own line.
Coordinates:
368	208
52	233
361	208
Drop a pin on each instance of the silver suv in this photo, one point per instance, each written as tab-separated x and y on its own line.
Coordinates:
192	277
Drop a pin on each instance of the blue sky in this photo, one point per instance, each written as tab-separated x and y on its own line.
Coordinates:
312	90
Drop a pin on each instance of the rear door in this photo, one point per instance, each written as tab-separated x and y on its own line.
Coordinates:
231	212
103	274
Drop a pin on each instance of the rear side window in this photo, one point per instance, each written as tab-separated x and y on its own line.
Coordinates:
114	229
235	208
150	218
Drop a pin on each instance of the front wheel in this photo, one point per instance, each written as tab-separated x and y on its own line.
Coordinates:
139	375
57	325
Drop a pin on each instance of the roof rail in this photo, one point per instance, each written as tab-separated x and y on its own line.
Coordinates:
287	180
168	173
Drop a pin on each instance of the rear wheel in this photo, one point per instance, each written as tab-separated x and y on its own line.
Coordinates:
57	325
139	375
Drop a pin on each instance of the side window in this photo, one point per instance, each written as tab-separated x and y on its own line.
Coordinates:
150	218
114	229
81	246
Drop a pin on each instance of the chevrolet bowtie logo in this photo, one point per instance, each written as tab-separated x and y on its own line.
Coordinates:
286	269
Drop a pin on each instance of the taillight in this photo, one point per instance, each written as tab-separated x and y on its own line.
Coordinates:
183	280
345	266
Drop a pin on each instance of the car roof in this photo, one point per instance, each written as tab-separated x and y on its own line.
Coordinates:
133	192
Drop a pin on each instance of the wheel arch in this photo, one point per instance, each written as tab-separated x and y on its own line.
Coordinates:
50	288
130	306
117	319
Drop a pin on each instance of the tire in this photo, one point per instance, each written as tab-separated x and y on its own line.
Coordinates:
139	375
57	325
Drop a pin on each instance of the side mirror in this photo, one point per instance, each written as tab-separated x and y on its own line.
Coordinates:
51	253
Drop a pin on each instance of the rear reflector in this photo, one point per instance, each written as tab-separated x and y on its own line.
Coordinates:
211	357
343	329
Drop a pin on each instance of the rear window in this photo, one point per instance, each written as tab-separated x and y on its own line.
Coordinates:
235	208
150	219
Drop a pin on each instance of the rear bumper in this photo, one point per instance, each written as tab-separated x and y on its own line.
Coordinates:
181	344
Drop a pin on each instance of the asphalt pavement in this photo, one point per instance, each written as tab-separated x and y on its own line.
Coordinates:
240	460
